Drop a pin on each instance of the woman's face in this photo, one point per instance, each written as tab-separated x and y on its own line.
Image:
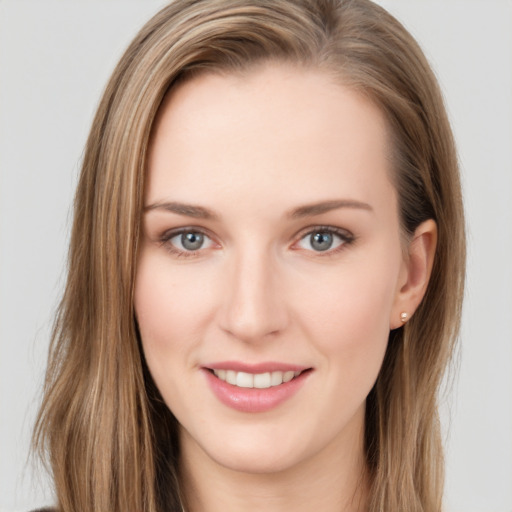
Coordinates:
270	251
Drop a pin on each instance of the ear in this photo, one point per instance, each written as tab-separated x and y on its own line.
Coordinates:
414	273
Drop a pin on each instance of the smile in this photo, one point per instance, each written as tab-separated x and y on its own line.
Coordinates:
258	380
255	388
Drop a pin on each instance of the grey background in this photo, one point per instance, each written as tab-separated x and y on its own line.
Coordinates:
55	58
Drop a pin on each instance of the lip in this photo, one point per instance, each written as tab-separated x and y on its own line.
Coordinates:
254	400
268	366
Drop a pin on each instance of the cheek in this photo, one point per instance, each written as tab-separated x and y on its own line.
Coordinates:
348	313
168	309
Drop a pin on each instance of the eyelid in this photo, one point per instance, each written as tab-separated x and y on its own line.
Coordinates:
168	235
344	234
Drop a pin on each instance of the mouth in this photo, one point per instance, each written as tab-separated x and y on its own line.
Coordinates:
256	380
255	388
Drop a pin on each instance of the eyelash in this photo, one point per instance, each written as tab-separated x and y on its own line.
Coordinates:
166	238
346	239
345	236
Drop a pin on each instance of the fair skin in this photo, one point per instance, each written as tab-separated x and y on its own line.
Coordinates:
238	271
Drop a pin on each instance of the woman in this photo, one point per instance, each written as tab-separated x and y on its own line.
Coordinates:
266	269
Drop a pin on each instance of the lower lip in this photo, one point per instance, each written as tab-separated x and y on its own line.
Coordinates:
254	399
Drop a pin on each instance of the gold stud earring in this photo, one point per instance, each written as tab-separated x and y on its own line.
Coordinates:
403	317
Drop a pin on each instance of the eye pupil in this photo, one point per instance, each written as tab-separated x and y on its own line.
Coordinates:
192	241
321	241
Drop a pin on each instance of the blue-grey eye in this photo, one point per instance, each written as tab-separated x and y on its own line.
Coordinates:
192	241
321	240
189	241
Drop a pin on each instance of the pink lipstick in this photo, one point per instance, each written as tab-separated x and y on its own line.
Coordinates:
254	387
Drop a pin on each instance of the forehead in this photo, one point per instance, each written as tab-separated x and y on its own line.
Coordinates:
276	128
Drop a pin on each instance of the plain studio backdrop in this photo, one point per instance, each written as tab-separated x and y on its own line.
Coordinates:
55	59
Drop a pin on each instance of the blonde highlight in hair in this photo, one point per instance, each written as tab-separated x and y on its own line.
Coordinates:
110	441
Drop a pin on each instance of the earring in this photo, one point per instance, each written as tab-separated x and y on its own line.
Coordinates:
403	317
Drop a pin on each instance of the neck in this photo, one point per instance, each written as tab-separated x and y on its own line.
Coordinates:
334	480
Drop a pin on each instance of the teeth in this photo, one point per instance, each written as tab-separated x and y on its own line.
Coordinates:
230	377
288	376
276	378
244	380
258	380
262	380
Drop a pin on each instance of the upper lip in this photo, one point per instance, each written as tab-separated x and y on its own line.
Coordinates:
255	368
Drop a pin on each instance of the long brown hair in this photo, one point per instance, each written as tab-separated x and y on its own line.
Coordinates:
110	441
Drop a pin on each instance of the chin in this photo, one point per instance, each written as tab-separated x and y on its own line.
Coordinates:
260	448
254	460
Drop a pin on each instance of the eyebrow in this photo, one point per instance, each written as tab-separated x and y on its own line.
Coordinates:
189	210
311	210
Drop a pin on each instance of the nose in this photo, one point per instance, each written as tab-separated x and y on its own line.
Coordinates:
253	305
